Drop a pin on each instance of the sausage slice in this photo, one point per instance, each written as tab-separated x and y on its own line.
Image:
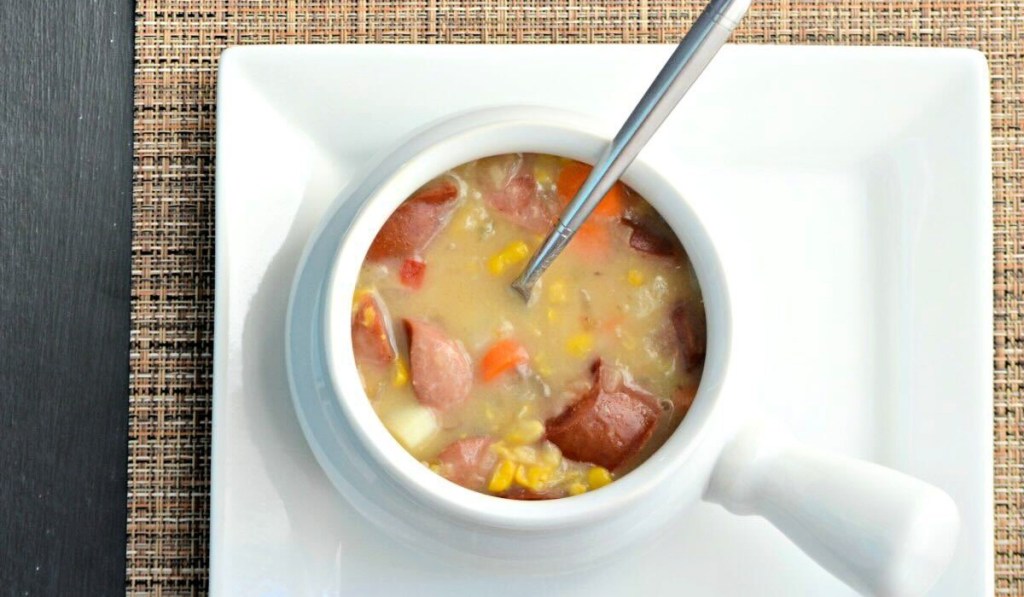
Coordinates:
440	367
468	462
609	423
415	223
692	332
518	202
372	337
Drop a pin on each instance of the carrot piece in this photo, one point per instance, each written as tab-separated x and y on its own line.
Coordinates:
412	272
593	238
572	177
504	355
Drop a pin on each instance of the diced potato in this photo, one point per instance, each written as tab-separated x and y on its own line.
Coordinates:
550	455
412	425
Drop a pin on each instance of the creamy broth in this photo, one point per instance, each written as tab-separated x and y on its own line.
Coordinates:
499	395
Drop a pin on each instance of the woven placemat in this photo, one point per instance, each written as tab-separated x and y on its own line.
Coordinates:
177	44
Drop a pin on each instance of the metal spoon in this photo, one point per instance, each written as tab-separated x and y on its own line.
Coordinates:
700	44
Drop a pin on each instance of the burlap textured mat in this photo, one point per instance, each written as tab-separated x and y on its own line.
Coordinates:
177	44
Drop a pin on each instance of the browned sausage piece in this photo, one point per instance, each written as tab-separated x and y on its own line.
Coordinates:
415	223
522	493
372	338
468	462
683	397
440	367
609	423
651	238
519	203
692	333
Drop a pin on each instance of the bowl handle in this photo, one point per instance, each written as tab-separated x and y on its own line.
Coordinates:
880	531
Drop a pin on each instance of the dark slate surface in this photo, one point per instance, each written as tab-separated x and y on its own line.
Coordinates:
65	221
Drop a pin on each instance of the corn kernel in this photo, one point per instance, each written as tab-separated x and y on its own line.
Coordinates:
577	488
532	477
520	475
580	344
502	477
518	251
496	265
526	432
512	254
598	477
635	277
538	476
552	315
557	292
400	377
435	467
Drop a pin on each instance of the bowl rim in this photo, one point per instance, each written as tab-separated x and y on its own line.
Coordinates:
460	139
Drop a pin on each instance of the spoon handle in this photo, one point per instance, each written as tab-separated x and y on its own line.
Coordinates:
700	44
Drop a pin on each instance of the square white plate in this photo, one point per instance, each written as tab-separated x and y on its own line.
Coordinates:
849	194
